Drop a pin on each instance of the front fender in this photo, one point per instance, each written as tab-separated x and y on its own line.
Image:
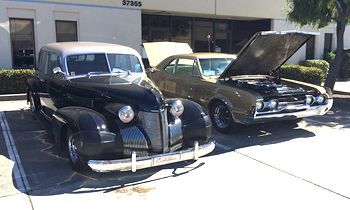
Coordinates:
90	130
196	123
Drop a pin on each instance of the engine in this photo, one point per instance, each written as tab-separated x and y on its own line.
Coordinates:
267	86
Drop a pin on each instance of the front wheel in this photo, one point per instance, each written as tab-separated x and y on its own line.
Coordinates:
33	103
77	163
222	118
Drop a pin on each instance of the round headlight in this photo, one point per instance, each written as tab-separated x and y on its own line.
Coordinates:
273	104
176	108
309	100
259	105
320	99
126	114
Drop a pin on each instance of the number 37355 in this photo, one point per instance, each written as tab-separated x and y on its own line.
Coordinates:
132	3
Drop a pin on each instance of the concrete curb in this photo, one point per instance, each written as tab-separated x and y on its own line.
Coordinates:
13	97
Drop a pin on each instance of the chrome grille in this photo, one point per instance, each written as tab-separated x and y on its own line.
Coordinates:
151	124
133	140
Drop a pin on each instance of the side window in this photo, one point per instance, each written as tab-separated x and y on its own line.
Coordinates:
195	70
53	61
170	67
42	62
184	67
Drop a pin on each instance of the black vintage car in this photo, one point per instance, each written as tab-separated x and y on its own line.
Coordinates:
107	115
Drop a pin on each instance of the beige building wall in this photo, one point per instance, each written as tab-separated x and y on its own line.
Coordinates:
111	21
102	24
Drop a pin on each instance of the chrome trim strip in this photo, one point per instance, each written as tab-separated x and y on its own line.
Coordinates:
164	130
136	163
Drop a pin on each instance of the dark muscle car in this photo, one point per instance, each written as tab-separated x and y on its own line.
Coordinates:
243	89
107	115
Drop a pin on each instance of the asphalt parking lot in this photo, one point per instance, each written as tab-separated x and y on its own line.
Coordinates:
270	166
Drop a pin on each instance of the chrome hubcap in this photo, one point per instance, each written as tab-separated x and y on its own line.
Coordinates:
73	154
222	116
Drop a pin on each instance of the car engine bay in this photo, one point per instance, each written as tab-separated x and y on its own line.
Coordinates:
267	86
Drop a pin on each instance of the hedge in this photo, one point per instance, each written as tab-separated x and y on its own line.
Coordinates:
329	57
302	73
14	80
321	64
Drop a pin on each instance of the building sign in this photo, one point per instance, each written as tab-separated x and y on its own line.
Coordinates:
131	3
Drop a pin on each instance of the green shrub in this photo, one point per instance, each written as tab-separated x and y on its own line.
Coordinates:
329	57
345	67
14	80
321	64
302	73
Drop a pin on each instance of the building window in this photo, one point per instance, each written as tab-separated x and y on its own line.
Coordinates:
328	38
203	35
22	43
310	48
159	28
226	36
66	31
222	36
181	30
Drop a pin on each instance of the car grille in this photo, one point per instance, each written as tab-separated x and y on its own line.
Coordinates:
292	100
151	124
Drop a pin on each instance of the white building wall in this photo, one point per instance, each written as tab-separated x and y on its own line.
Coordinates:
94	23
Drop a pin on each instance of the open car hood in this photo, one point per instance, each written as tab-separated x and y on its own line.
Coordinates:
158	51
265	52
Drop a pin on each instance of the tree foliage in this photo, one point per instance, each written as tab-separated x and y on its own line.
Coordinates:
320	13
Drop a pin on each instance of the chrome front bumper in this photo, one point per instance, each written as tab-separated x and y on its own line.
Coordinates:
293	112
134	163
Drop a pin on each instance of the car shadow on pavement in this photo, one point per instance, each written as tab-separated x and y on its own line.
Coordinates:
259	135
48	172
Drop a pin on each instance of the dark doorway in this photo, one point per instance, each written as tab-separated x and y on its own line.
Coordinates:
310	48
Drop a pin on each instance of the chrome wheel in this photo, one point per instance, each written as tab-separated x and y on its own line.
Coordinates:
222	116
73	152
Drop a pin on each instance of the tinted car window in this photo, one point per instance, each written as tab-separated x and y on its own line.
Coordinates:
83	64
214	66
53	61
120	62
184	67
170	67
42	62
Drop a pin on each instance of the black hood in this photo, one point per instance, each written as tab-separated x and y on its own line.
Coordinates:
265	52
138	91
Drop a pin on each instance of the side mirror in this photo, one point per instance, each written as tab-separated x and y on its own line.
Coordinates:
57	70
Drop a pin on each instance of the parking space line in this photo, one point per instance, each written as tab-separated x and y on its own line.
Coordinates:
224	147
20	176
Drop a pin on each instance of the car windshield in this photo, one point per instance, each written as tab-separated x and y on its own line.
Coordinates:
124	63
88	64
214	66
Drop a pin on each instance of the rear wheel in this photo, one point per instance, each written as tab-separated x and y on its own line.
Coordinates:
78	164
222	117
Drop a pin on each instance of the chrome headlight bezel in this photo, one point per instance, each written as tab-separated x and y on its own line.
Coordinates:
309	99
177	108
273	103
321	99
126	114
259	106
